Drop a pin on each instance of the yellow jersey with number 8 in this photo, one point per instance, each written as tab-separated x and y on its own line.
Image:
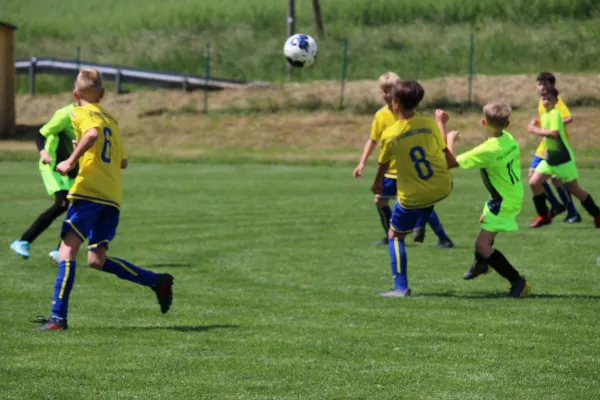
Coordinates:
417	147
99	178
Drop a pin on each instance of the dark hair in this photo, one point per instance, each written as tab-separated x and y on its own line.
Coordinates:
408	94
546	77
553	91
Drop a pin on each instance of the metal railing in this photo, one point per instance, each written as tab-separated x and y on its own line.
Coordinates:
123	75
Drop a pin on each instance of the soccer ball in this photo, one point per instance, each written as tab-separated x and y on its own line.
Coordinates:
300	50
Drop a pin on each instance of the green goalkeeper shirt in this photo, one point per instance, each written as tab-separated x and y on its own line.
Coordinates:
59	135
557	149
499	161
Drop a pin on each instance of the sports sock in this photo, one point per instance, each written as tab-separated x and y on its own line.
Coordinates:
398	263
62	288
502	266
590	206
565	197
480	259
385	213
550	196
125	270
420	223
540	205
436	225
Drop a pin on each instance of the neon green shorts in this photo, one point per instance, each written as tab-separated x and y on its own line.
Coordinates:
502	222
54	181
565	171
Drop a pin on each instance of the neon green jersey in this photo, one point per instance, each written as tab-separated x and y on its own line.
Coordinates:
499	160
59	134
557	149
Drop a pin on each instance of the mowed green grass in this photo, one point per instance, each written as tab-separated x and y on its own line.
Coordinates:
418	39
276	289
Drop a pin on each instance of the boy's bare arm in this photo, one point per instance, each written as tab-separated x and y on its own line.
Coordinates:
367	151
533	128
86	142
450	157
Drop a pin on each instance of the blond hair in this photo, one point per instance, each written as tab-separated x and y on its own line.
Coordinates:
497	115
388	80
88	79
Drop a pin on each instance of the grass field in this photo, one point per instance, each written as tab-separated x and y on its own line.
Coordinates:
511	37
276	297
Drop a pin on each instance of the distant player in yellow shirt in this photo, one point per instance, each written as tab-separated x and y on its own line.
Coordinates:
417	147
546	80
383	119
95	201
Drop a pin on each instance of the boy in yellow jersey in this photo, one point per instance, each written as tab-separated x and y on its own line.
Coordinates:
498	159
416	146
383	119
95	201
560	161
546	80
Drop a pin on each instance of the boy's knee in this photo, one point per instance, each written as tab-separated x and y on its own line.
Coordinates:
96	260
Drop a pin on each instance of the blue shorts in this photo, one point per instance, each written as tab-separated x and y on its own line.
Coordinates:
389	190
92	221
535	161
404	220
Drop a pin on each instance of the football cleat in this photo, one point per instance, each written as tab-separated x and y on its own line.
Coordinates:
54	256
419	235
572	219
477	268
519	288
164	291
554	211
21	247
50	324
445	244
541	221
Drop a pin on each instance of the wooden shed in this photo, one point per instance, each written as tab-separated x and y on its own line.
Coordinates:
7	79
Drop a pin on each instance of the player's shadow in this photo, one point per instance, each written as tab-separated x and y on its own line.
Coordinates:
181	328
497	295
168	265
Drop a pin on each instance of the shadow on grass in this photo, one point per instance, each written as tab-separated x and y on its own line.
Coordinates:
179	328
168	265
482	295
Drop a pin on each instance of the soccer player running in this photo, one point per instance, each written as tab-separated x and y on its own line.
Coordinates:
498	159
384	118
416	146
560	161
55	144
547	80
95	201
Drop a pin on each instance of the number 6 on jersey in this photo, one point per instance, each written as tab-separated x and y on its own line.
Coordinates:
106	149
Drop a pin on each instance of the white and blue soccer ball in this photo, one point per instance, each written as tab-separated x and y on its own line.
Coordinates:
300	50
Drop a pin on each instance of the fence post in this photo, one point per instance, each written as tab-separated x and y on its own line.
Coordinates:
32	64
206	76
344	67
470	82
118	81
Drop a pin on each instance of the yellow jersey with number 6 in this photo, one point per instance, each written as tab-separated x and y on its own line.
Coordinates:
417	147
99	178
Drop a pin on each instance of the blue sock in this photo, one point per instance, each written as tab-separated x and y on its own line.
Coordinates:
550	196
398	256
126	270
565	197
62	289
436	225
385	214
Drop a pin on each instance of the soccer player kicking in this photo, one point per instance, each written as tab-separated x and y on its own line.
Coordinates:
384	118
55	144
416	146
547	80
560	161
95	201
498	159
